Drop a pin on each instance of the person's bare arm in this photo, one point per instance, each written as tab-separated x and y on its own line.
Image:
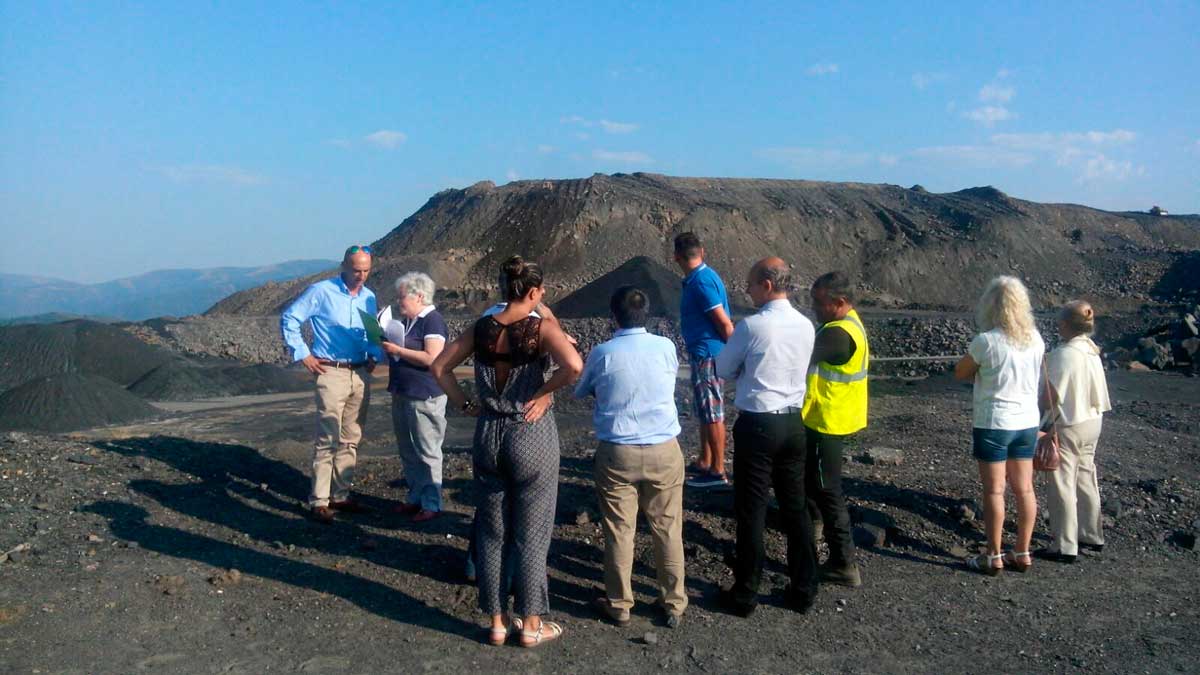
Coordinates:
721	321
443	367
554	343
422	357
547	314
965	369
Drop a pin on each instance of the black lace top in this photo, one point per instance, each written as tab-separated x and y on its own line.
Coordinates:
524	341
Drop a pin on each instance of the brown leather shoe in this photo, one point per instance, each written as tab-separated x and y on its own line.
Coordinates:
322	514
424	516
406	509
349	506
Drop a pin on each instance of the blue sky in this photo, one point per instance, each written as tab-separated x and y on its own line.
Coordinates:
188	134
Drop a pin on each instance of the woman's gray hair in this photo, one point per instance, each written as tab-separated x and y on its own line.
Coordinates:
417	284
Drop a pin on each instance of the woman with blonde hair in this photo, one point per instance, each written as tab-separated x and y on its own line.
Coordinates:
1004	363
1079	400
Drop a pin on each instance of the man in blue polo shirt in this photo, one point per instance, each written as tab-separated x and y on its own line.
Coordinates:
341	359
705	324
638	461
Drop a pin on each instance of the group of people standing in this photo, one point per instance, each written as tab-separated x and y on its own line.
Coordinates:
801	393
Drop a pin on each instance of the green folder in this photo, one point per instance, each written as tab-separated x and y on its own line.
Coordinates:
371	324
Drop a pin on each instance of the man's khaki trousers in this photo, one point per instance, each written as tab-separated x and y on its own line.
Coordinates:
1074	494
649	477
343	395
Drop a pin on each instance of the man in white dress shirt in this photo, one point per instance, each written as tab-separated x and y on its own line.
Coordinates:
768	356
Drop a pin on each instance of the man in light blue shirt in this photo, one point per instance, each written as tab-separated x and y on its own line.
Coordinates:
342	360
638	462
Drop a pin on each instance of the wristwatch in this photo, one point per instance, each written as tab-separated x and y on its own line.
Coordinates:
468	405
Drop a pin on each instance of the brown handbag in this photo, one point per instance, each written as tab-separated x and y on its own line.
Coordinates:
1045	456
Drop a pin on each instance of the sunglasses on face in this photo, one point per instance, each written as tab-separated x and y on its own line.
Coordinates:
357	249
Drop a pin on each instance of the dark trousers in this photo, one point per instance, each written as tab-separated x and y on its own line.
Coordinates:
823	484
769	451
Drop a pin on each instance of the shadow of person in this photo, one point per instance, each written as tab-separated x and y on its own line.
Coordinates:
936	510
228	493
129	522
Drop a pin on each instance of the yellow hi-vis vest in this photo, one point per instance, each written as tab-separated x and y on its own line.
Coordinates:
836	400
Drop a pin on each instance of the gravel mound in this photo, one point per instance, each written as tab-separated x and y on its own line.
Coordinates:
180	380
661	286
69	402
82	347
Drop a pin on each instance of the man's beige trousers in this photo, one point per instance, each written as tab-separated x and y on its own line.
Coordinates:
342	399
649	477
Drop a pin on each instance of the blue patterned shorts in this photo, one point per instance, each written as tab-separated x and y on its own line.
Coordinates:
708	399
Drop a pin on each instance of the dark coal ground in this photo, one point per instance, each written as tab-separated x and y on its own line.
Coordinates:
133	531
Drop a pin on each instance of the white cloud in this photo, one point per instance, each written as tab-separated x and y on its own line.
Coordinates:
546	149
618	127
1003	73
608	126
821	69
888	160
923	80
212	173
976	156
988	115
1099	167
800	158
624	157
386	138
511	175
1058	142
997	93
582	135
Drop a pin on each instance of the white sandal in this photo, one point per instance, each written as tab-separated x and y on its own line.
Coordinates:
533	639
983	563
1012	559
499	636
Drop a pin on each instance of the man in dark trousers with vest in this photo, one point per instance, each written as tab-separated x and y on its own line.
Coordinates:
835	406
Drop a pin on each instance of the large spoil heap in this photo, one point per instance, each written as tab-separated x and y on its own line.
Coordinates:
908	246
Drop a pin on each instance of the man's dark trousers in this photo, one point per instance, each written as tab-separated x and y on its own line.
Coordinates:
769	450
823	485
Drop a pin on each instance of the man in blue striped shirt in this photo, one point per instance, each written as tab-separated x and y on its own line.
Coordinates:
341	359
638	461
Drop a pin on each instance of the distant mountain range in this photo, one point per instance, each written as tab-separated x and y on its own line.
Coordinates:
179	292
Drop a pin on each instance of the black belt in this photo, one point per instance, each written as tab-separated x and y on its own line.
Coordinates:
343	364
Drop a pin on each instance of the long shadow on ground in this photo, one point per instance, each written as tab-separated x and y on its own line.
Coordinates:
228	493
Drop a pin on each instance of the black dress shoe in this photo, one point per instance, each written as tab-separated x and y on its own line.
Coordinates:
1094	548
1053	556
799	601
734	606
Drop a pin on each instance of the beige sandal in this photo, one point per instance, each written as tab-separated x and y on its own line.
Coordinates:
533	639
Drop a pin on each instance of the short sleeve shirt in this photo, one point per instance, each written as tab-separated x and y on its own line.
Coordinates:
405	378
1006	386
703	291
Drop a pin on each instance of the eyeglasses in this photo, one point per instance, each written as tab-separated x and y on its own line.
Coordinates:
357	249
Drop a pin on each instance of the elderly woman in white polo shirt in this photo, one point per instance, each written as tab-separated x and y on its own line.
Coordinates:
415	334
1081	399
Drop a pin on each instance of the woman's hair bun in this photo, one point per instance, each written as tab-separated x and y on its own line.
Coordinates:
518	277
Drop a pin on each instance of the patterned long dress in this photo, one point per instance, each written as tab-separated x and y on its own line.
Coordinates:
516	469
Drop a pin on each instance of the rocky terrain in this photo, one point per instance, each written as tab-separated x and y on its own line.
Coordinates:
181	545
907	246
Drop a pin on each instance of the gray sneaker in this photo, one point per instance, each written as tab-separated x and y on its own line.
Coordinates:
846	575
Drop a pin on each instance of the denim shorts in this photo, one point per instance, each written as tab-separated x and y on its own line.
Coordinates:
707	396
999	445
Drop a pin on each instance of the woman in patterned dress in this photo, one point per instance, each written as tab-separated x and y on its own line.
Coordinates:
516	452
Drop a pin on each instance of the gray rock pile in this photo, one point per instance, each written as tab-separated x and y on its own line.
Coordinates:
1172	345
